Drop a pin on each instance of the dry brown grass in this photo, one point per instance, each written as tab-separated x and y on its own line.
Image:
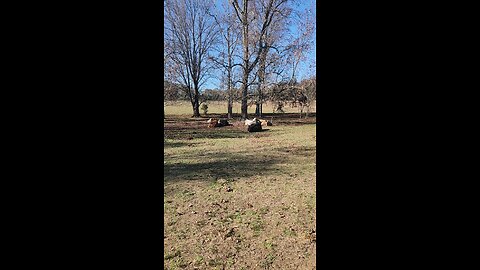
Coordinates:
220	107
239	200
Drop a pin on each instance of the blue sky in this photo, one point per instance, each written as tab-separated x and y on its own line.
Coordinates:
303	69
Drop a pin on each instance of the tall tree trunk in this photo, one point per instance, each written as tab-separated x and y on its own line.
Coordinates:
196	105
230	95
245	60
229	79
261	80
230	109
230	92
244	96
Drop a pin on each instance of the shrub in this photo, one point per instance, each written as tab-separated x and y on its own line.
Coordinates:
204	108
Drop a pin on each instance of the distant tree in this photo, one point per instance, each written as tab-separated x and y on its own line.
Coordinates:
190	34
310	92
302	40
214	95
301	94
281	94
305	95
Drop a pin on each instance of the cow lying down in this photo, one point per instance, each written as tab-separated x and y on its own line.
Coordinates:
253	125
266	123
214	122
255	120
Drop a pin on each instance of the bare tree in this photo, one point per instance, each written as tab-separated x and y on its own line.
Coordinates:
190	33
305	94
274	38
310	92
302	39
246	15
301	44
225	60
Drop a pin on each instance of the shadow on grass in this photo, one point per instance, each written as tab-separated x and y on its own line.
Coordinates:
302	151
170	144
275	117
230	166
213	133
223	165
287	115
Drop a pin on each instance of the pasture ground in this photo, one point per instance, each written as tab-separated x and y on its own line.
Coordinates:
239	200
220	107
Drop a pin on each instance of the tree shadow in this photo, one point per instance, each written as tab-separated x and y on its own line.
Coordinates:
170	144
287	115
290	118
284	118
201	132
303	151
222	165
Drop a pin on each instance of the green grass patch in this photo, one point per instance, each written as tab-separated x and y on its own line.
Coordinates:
289	232
270	245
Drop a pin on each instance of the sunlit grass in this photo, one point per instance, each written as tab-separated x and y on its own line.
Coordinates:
220	107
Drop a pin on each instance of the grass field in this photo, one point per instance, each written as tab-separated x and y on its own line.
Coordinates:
239	200
220	107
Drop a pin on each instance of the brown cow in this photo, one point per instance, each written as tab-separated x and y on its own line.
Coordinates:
266	123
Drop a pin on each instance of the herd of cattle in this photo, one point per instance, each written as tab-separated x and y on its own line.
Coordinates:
252	125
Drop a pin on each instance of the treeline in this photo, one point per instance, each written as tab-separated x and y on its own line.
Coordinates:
285	93
176	92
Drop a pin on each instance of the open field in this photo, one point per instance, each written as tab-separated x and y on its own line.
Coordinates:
239	200
220	107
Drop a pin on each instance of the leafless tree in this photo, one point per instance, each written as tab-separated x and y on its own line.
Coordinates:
274	47
303	39
254	47
302	42
190	34
225	60
305	94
